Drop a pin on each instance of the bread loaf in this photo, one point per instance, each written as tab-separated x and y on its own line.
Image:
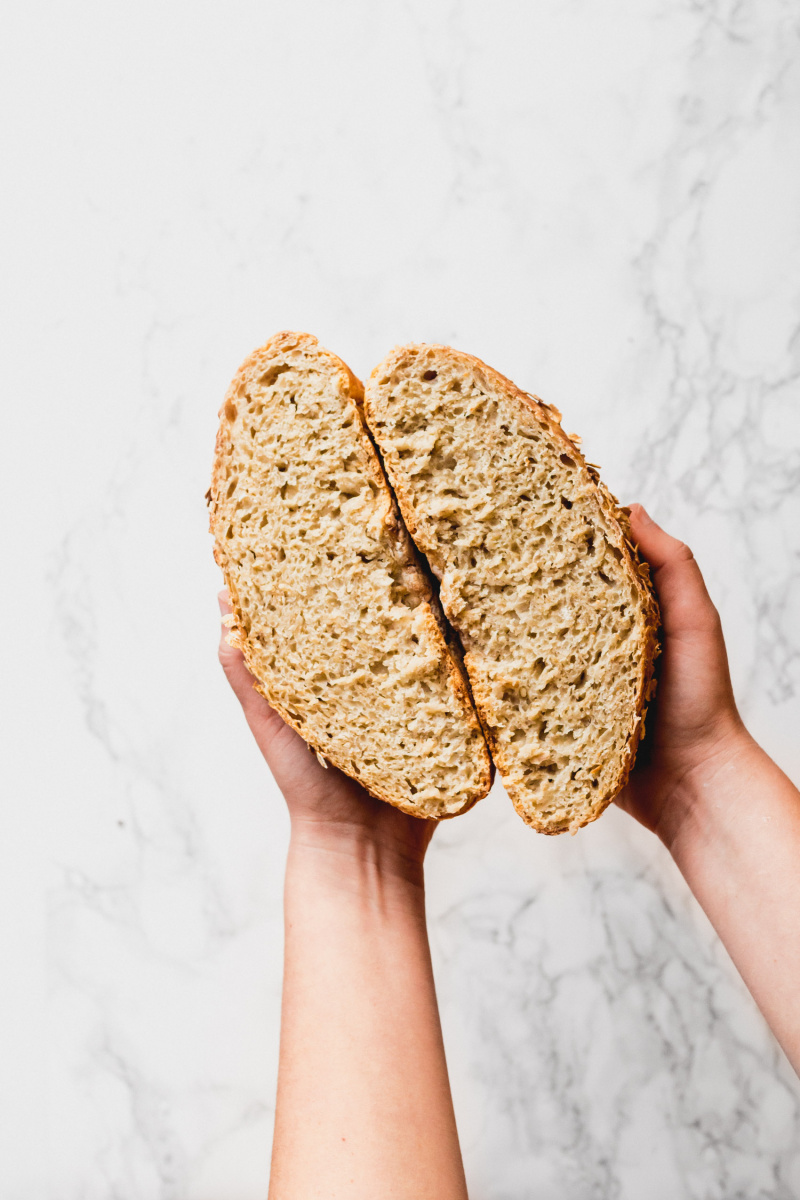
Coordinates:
332	609
537	575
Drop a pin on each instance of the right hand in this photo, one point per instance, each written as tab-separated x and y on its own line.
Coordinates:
694	728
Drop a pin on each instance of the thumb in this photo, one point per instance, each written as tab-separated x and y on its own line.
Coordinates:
256	709
685	603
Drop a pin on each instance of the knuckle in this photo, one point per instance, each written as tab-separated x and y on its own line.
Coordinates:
225	654
715	620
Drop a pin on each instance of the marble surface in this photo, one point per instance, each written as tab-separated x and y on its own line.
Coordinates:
602	201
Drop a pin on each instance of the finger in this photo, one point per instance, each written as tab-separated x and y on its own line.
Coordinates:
229	656
236	672
682	593
660	548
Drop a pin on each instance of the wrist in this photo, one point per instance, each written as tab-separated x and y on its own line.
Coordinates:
355	859
708	794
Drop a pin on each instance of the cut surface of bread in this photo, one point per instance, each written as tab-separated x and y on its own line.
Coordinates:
537	575
334	614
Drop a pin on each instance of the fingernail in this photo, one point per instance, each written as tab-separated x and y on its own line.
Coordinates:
644	515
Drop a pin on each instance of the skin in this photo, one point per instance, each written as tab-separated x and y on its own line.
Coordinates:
364	1106
727	814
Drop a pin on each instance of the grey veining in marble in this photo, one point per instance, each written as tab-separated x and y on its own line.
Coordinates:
602	201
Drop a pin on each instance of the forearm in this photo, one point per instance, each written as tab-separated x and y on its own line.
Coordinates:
364	1105
737	843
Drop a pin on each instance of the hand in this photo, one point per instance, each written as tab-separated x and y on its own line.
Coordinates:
326	807
694	729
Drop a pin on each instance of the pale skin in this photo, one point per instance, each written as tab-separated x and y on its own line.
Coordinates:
364	1106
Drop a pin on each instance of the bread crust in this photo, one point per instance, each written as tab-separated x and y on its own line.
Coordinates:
434	623
618	527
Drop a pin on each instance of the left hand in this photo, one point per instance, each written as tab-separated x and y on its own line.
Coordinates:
326	807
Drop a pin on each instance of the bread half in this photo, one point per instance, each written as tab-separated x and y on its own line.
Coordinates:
333	611
538	576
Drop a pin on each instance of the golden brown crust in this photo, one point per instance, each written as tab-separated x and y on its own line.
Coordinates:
618	523
283	343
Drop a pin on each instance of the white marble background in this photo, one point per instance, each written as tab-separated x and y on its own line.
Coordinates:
602	200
